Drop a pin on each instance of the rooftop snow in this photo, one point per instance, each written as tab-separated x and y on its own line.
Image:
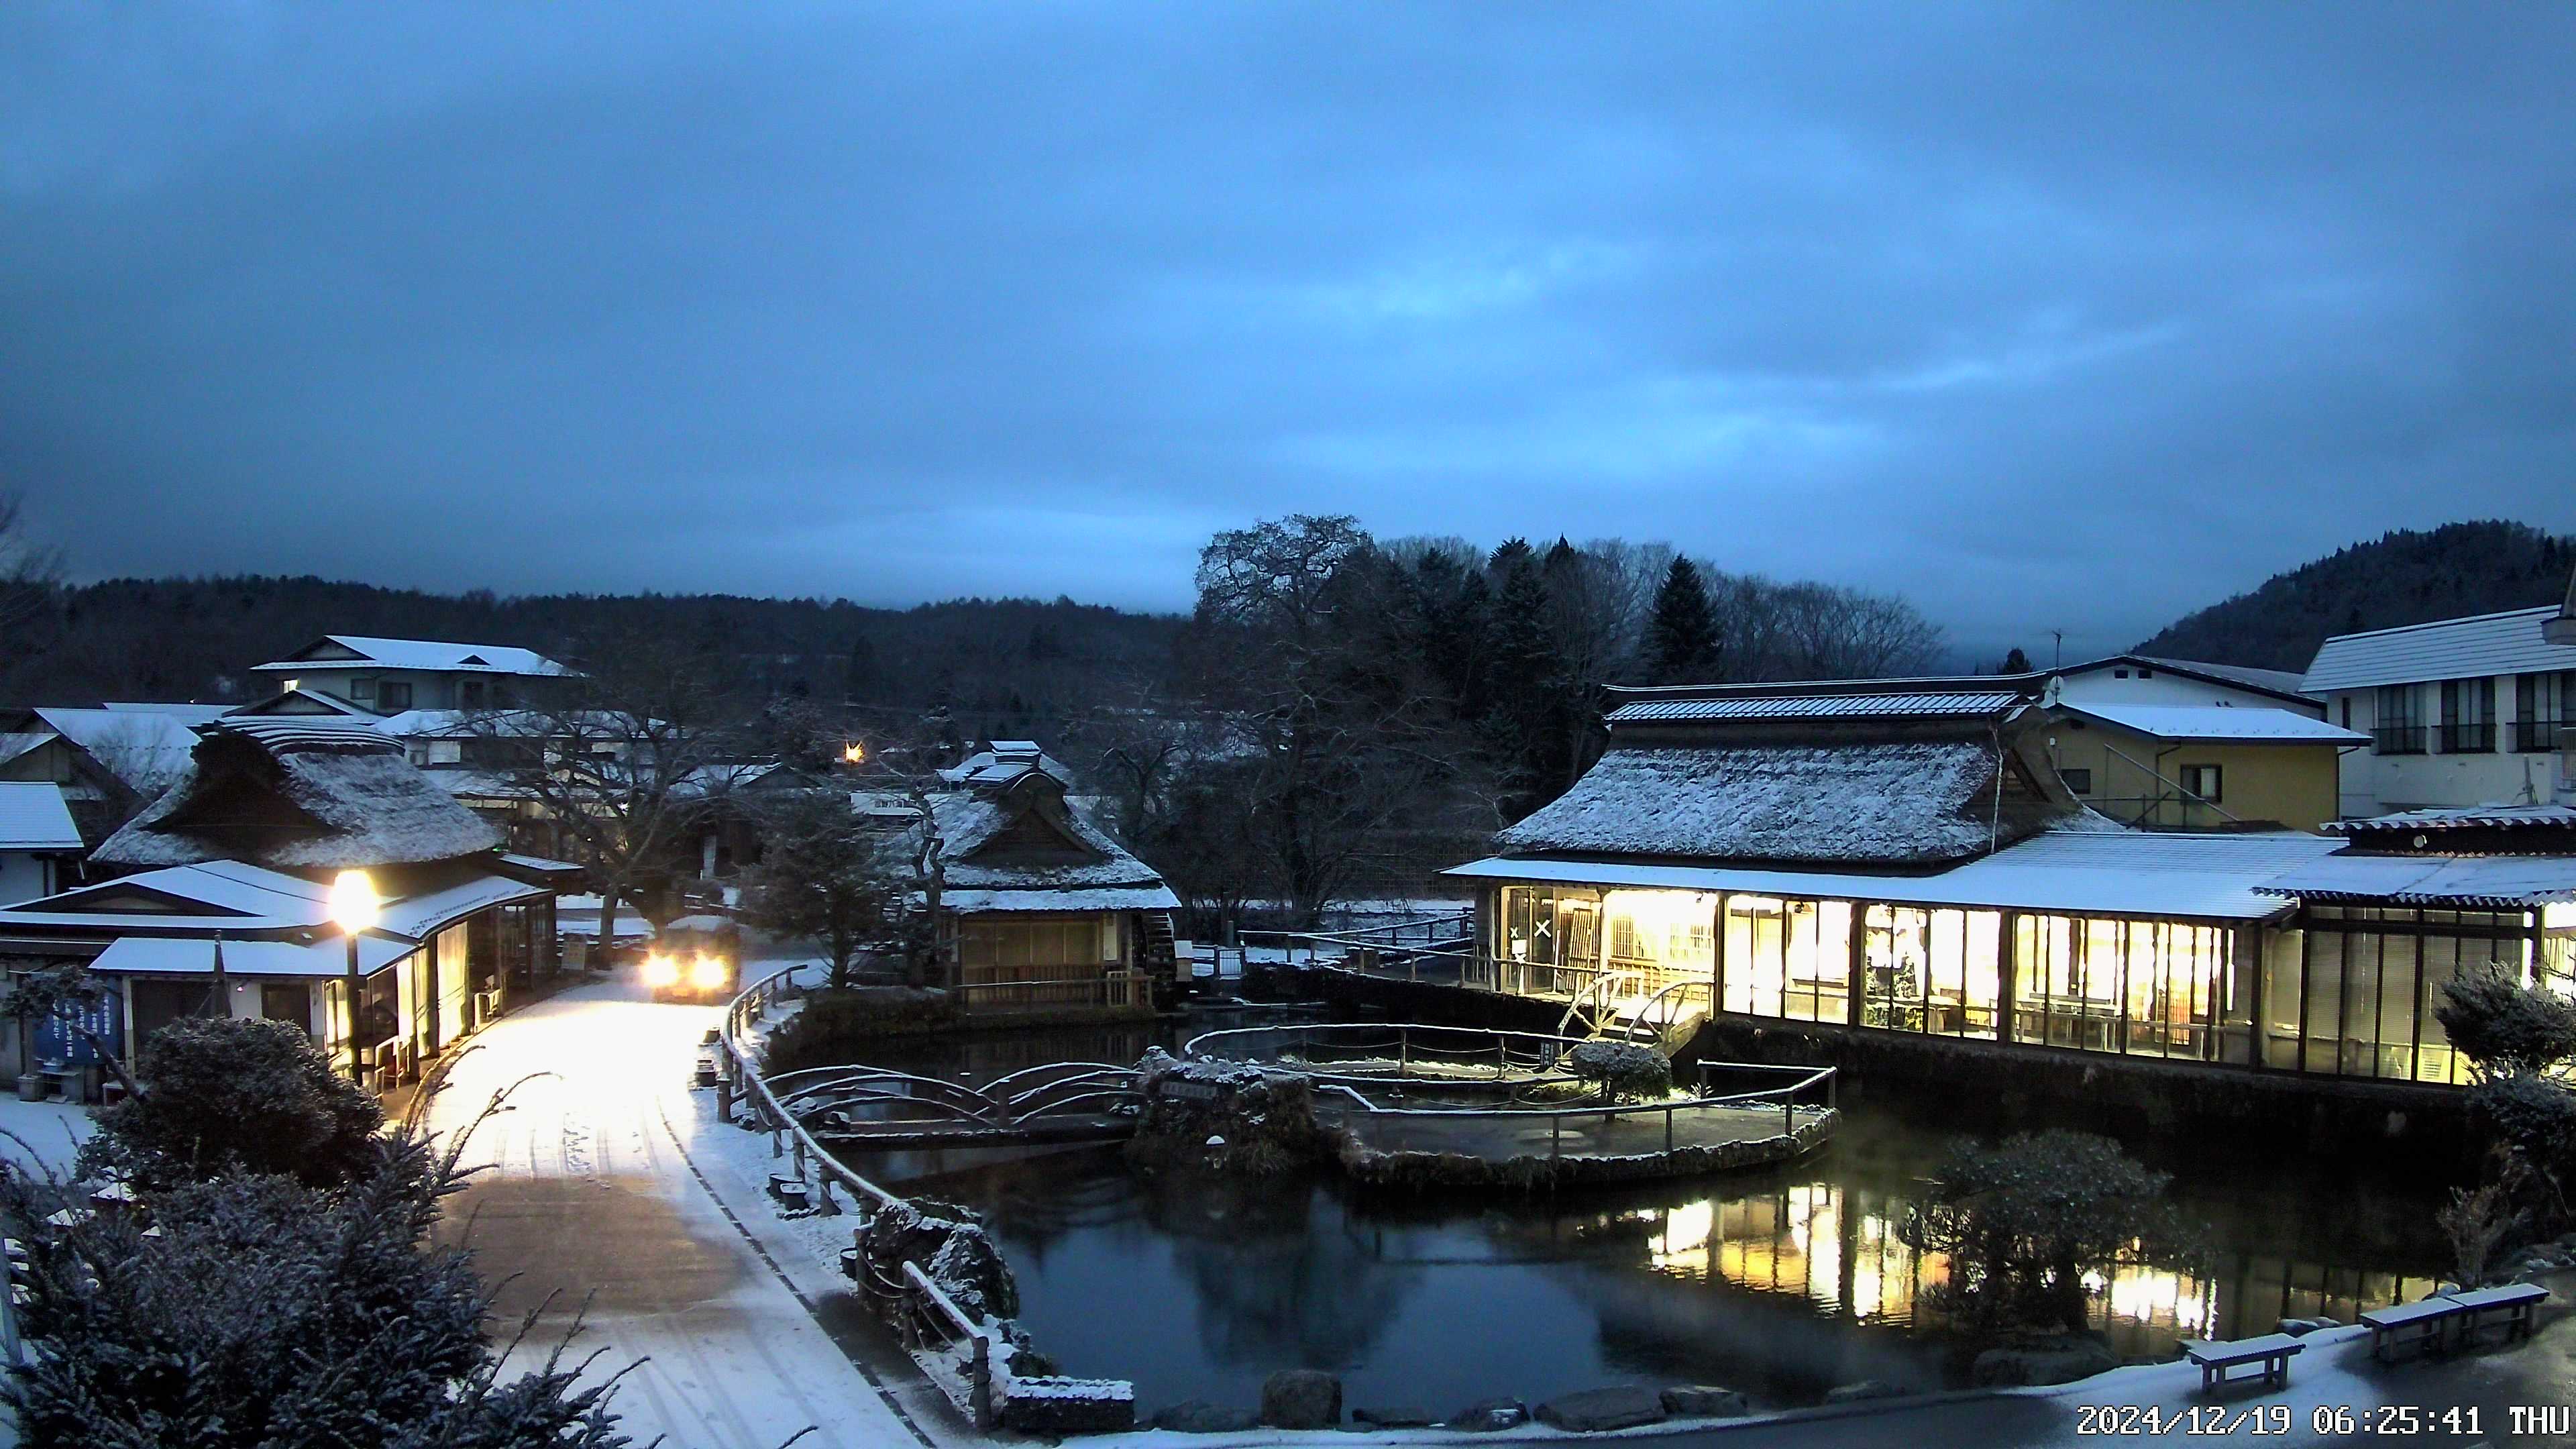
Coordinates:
195	956
143	749
2234	723
1818	706
2462	817
967	822
2484	644
324	795
427	654
2073	872
34	817
2272	681
230	896
1861	804
2500	881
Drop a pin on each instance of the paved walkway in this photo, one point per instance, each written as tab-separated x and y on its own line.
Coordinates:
608	1185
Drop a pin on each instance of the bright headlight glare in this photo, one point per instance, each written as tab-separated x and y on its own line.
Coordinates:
661	970
707	973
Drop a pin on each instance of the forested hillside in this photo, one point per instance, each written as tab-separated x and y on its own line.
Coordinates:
2404	577
193	638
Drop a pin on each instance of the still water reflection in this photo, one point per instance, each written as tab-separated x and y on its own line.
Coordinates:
1783	1284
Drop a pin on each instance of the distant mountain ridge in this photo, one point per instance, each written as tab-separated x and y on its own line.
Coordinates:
997	660
2407	576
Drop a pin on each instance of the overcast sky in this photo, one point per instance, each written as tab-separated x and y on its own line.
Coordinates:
2054	316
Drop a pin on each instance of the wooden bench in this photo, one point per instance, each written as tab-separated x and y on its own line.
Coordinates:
2423	1325
2273	1351
2517	1300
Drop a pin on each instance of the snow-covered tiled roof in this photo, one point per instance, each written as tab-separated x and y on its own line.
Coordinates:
428	654
1882	803
34	817
1006	761
2069	872
2506	643
2239	724
2462	817
1943	705
2504	882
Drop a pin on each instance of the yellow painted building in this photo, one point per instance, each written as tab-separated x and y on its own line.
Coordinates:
2201	767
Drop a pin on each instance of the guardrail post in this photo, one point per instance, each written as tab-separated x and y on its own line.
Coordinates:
724	1099
823	1195
777	1143
979	1393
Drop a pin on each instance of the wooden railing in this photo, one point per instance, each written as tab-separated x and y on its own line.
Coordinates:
1112	989
912	1303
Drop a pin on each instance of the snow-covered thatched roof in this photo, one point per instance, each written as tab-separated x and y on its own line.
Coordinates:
1885	802
299	793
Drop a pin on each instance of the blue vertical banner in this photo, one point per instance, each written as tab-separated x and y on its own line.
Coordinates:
61	1038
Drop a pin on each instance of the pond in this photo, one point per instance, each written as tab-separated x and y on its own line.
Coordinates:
1782	1284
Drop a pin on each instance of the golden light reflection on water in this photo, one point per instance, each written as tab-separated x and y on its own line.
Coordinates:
1844	1253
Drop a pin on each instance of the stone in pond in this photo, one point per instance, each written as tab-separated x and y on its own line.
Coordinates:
1403	1416
1301	1399
1198	1416
1705	1401
1593	1411
1490	1416
2063	1363
1865	1389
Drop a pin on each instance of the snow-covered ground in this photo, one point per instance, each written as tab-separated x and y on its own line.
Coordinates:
613	1184
52	1132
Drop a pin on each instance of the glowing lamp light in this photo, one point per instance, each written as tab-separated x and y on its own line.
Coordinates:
853	753
661	971
353	901
707	973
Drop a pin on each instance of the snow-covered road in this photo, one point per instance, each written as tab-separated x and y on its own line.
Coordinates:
605	1189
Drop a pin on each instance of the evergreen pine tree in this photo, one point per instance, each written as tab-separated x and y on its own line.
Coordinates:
1681	637
2015	662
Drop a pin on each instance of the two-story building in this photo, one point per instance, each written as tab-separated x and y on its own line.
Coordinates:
2459	712
389	676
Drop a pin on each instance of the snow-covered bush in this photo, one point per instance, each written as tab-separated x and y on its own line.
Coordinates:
223	1095
265	1313
1624	1071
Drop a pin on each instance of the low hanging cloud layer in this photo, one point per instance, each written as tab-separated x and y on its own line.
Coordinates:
2045	317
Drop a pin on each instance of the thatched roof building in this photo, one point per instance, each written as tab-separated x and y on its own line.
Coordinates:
294	793
1887	780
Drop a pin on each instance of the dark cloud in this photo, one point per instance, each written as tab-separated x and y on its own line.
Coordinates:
2044	316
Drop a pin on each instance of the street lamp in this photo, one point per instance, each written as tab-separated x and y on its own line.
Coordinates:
353	908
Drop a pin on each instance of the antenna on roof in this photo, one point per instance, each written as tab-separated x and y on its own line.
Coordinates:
2057	656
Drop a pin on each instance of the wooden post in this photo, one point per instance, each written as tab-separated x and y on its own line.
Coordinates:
979	1394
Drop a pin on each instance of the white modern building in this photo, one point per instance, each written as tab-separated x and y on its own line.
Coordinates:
2475	711
390	676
